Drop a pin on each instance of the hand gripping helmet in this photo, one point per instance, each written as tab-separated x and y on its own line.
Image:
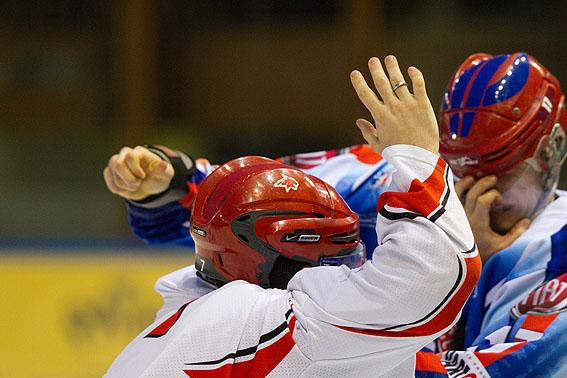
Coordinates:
499	111
261	221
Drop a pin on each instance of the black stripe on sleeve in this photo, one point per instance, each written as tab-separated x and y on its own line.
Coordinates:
441	211
397	216
470	250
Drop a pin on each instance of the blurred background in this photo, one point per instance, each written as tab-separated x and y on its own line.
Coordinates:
216	79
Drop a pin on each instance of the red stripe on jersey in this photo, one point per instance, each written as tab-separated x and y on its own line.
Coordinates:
538	323
488	358
444	318
308	160
264	361
365	154
166	325
429	362
422	197
362	152
291	324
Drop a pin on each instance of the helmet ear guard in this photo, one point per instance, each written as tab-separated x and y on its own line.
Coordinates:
549	156
559	143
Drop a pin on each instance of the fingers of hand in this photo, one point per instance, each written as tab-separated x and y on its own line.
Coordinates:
136	173
134	158
368	131
519	228
480	187
126	169
462	186
111	185
123	176
485	200
396	77
162	171
381	81
417	83
365	94
366	127
109	180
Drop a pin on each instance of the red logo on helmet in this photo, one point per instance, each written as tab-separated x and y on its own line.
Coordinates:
289	183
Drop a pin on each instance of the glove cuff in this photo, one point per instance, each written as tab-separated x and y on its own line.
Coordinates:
183	168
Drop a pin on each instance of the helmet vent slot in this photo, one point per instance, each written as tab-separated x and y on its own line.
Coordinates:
507	149
243	238
220	259
243	218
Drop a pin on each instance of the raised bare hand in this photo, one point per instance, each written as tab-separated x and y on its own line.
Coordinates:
400	117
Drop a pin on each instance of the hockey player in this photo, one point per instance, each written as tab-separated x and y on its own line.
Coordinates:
251	215
503	124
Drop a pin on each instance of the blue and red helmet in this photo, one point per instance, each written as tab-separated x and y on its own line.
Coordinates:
499	111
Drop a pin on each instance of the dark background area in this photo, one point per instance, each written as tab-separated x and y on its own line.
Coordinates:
217	79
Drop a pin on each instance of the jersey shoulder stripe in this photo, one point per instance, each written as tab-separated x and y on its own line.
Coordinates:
164	327
255	361
428	198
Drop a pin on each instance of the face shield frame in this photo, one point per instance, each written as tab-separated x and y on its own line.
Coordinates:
544	166
354	259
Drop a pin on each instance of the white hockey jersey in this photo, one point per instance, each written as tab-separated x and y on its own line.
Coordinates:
331	321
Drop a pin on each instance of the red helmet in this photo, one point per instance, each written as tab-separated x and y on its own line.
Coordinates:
499	111
256	219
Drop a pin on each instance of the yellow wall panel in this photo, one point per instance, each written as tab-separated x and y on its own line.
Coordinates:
69	315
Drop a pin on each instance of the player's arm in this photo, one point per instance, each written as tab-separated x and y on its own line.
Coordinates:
160	194
159	185
426	264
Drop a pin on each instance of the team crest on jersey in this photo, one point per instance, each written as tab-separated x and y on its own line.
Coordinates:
548	298
286	182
